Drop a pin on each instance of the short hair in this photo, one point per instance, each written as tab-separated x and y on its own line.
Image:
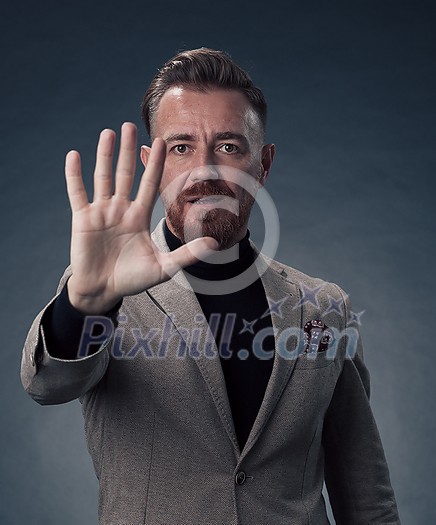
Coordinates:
201	69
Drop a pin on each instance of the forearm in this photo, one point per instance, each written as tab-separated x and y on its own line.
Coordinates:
64	328
54	369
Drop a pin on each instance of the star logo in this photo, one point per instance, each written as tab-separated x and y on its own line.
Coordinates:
335	306
355	317
308	295
275	307
248	326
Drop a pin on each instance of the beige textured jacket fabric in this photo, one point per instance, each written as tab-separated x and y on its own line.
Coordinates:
159	425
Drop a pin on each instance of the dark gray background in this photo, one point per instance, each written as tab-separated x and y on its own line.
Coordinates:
351	87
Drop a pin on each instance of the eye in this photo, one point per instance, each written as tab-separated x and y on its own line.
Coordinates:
180	149
229	148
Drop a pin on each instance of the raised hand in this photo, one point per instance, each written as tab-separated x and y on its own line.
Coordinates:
112	254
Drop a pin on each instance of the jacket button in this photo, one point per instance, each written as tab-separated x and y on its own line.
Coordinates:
240	478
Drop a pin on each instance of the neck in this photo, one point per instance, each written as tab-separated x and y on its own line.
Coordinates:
221	265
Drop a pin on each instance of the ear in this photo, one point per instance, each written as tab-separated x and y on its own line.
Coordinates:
145	154
268	151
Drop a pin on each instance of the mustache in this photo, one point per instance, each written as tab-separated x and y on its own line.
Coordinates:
206	189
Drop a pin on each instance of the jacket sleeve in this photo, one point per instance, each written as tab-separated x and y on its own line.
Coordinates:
356	472
52	380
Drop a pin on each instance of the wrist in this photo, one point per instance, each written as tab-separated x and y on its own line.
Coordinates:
90	304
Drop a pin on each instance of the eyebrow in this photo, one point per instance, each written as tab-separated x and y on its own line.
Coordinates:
231	135
224	135
176	137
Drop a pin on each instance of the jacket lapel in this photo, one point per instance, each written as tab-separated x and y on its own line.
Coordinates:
176	298
283	297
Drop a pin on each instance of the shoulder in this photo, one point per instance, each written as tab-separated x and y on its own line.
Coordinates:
316	297
303	281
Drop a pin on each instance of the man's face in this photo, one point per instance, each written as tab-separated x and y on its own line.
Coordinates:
215	161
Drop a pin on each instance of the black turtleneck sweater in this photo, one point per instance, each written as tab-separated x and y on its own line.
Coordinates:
247	311
242	313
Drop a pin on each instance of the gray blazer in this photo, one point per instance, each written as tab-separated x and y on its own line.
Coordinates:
159	425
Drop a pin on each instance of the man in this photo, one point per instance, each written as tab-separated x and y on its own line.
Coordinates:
218	386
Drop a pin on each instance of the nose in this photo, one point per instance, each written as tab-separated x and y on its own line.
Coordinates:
204	173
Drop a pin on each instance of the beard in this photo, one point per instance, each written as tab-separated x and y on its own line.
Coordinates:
220	223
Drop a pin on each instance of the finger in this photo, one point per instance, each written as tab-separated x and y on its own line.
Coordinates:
103	165
125	172
75	187
149	185
198	249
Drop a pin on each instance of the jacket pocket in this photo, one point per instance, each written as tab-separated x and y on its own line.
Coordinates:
309	361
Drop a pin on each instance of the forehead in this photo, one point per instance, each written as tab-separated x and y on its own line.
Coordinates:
183	109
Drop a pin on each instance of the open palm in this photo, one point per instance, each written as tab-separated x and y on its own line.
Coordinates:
112	254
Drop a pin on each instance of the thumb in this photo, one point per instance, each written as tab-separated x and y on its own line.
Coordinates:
196	250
